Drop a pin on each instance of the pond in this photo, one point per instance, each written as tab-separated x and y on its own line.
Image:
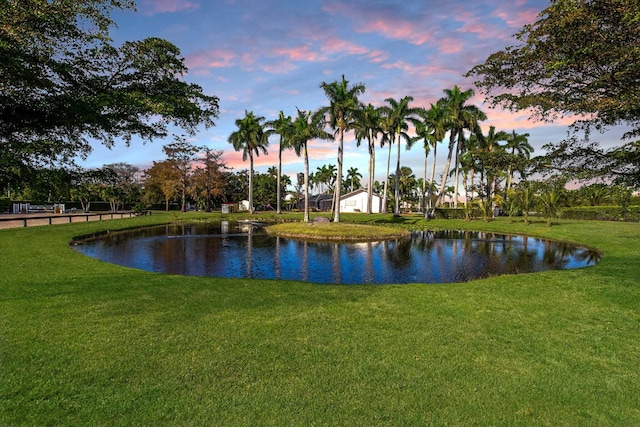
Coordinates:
244	250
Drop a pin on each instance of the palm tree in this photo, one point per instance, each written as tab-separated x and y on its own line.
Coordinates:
325	178
491	156
388	136
343	104
520	150
400	114
353	178
280	126
307	126
461	117
423	133
250	138
437	119
367	126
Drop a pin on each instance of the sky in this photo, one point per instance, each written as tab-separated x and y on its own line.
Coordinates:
271	55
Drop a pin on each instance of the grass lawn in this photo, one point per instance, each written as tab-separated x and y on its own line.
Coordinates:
86	343
336	231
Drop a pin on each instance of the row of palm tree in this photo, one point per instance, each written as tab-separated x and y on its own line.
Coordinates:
392	123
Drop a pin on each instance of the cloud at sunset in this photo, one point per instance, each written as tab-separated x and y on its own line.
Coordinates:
152	7
272	55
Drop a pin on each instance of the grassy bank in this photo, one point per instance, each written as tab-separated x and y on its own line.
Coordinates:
83	342
335	231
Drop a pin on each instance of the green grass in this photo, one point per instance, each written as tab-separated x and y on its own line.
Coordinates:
335	231
84	342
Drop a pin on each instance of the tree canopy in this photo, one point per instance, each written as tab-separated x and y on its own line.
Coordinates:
581	57
63	84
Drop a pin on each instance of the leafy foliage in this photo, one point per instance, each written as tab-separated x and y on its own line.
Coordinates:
580	57
63	84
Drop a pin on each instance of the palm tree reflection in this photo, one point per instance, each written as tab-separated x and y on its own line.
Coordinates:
244	250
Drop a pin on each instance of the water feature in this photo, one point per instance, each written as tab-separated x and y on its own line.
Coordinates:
244	250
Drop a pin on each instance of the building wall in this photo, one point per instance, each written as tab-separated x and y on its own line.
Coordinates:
357	202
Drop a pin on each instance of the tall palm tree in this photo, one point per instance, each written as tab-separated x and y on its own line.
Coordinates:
423	133
400	115
343	104
437	119
462	117
307	126
388	136
367	126
250	138
281	126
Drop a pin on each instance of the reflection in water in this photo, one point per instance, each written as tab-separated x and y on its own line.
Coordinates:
245	250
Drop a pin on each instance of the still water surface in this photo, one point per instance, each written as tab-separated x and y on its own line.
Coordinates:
244	250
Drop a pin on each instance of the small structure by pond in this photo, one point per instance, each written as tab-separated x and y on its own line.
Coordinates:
356	201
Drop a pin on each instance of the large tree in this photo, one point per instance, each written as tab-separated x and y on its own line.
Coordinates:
162	178
343	106
181	154
208	180
63	84
250	138
580	58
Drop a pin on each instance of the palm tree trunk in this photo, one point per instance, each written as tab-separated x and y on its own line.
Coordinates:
457	175
452	140
306	184
372	165
250	183
279	190
433	175
338	184
424	184
396	192
386	183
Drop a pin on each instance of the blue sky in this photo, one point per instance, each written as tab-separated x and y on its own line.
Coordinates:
272	55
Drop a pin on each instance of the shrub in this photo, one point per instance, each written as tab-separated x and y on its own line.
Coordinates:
602	213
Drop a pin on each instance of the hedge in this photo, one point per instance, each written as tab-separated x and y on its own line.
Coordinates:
602	213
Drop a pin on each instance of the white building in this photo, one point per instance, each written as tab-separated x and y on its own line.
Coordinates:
356	201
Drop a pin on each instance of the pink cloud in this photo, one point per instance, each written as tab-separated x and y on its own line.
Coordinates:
214	58
396	29
450	45
336	45
321	150
377	56
299	53
376	20
507	120
233	159
419	70
152	7
248	58
278	68
519	17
